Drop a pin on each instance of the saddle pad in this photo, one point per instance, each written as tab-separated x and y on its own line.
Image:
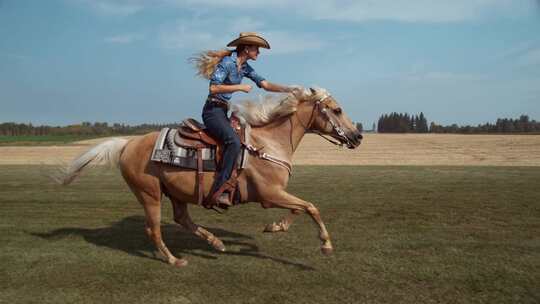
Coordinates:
167	152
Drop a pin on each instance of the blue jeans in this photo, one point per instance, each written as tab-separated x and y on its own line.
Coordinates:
218	125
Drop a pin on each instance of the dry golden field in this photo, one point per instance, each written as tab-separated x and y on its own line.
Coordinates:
376	149
426	149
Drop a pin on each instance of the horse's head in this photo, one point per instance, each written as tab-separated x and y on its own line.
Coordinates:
327	117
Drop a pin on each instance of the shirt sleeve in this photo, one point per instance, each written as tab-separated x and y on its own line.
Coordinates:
251	74
220	73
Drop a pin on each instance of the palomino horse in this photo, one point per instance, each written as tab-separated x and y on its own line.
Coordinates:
278	127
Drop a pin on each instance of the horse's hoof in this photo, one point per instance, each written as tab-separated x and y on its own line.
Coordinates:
272	228
218	245
327	250
180	263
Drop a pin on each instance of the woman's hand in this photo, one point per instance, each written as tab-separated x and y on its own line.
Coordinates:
245	88
295	89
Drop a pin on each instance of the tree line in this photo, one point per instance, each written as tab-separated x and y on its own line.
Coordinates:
523	124
405	123
85	129
402	123
387	123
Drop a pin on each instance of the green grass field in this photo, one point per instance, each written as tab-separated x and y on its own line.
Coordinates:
44	140
401	235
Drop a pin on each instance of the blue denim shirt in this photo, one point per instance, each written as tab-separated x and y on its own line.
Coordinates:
227	73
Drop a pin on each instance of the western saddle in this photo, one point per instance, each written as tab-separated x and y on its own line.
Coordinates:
192	134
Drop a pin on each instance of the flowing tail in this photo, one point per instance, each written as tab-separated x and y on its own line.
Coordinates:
107	152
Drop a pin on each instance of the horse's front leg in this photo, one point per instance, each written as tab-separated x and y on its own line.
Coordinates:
283	224
282	199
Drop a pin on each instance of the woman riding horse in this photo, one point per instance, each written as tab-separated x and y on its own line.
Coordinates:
277	130
228	68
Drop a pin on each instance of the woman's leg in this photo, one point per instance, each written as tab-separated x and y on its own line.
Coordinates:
218	125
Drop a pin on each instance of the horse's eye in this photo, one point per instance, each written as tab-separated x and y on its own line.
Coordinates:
337	111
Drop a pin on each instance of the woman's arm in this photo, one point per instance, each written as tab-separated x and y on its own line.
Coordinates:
219	75
274	87
229	88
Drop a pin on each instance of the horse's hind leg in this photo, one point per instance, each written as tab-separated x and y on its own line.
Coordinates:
181	216
283	224
152	209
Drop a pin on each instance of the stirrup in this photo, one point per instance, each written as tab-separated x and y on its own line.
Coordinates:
223	201
212	200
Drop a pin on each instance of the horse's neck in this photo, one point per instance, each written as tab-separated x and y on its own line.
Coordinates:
282	136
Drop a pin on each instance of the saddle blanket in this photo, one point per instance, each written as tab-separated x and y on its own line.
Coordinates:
168	152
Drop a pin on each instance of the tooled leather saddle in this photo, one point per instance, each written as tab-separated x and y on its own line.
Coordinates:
190	146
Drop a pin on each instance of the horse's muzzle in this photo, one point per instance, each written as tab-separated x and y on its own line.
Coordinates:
354	140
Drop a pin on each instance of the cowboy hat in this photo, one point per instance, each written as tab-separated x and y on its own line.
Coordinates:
250	38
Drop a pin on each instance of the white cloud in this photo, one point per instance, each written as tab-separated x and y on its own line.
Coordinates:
417	11
14	56
124	38
529	58
203	34
183	36
257	4
117	9
448	76
428	11
515	49
245	24
114	7
526	53
288	42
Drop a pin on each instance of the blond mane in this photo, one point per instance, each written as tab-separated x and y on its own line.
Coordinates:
272	107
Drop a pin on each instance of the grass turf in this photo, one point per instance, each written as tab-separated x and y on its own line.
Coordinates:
401	234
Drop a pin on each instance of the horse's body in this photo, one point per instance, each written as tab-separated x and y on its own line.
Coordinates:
261	181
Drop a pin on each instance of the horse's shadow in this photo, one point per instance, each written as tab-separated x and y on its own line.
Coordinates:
128	235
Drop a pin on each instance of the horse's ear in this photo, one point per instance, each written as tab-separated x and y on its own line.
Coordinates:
312	90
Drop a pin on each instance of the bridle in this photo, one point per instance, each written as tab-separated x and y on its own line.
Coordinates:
322	108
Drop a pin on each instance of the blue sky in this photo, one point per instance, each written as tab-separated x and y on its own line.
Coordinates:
462	61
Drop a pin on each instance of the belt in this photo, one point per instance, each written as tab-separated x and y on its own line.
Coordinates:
217	102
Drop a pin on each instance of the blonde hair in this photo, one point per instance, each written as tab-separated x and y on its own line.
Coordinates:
205	62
